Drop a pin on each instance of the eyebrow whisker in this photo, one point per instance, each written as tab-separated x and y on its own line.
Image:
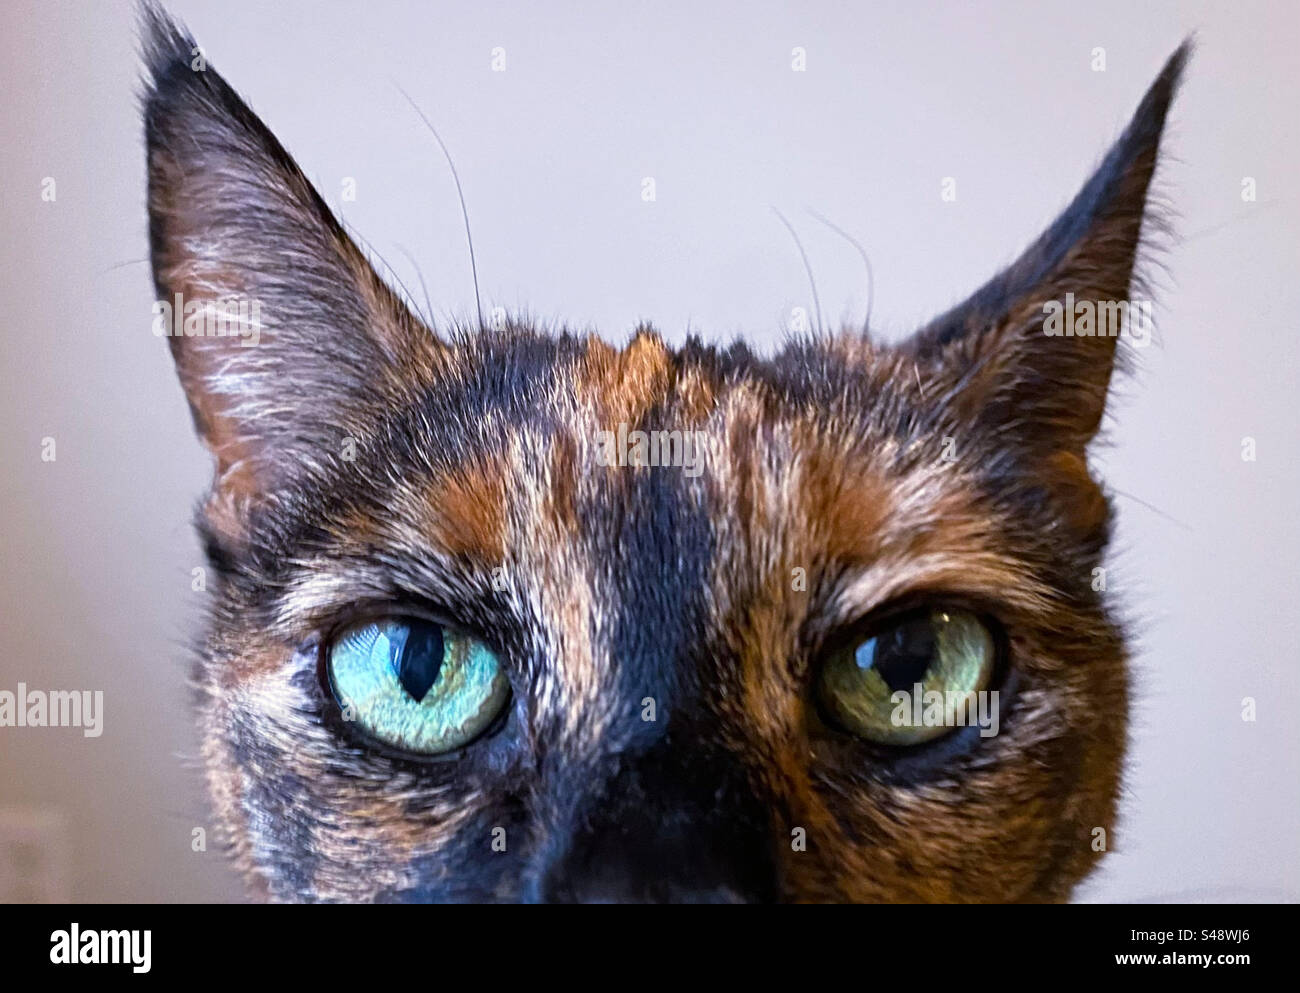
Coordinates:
806	265
871	279
460	193
428	305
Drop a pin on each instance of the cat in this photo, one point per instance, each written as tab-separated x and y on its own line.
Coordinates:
455	656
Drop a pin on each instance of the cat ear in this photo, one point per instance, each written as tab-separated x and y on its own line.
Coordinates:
1007	346
284	337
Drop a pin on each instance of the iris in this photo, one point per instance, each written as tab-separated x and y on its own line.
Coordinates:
945	650
415	685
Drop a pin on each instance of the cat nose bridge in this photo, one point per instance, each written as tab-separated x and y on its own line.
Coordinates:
661	825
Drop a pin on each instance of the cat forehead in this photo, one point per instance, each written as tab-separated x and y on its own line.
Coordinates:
551	426
623	384
679	458
585	385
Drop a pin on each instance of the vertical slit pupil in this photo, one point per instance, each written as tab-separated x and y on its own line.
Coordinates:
420	659
907	653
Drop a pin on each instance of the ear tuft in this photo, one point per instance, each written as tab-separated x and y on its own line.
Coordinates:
165	46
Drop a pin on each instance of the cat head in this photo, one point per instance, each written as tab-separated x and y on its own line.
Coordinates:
501	614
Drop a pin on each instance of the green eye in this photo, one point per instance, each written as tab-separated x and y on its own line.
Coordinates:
416	685
929	664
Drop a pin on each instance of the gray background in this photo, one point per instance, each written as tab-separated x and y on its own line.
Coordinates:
96	547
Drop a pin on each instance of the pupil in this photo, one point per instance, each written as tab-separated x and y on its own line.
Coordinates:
904	655
419	660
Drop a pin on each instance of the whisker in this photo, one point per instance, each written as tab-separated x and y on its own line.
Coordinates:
409	296
1155	510
1216	228
871	280
464	212
122	265
807	267
428	306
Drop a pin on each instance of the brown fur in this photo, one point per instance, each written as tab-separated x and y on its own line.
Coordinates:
467	512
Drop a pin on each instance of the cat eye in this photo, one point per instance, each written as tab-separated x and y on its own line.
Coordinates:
903	684
415	685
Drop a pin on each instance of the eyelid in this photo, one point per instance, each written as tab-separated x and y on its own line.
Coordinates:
371	612
892	612
990	584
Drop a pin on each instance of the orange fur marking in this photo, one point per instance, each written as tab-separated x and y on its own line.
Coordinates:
623	386
468	511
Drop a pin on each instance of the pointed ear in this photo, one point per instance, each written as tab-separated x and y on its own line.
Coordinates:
1012	366
284	337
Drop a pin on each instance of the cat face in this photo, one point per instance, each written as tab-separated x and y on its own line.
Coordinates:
481	632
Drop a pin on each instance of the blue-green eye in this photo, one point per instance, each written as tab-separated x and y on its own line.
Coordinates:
415	685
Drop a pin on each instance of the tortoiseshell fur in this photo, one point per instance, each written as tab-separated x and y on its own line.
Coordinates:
364	460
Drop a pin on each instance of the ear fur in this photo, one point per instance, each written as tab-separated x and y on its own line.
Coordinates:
1011	370
316	340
